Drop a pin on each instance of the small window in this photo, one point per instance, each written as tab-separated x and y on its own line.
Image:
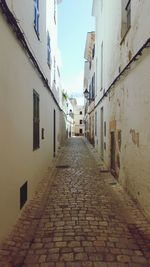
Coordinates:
48	50
36	17
36	121
93	86
23	194
80	112
81	121
43	133
81	131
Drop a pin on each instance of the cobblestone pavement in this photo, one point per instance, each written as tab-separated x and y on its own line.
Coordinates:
88	220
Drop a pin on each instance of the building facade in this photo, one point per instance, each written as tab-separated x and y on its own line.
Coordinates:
122	100
31	114
78	115
89	86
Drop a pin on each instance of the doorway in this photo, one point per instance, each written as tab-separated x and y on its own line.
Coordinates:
113	153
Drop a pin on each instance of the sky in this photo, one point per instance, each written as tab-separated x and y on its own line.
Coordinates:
74	21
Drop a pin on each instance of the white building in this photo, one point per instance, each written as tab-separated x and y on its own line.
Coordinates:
78	114
31	117
67	108
122	102
89	86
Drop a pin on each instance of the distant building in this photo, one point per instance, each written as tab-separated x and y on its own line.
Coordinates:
89	86
78	111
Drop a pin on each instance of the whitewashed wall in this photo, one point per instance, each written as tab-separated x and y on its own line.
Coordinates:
18	78
126	107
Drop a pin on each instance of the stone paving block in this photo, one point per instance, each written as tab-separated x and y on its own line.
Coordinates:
52	257
67	257
74	244
78	219
60	244
81	256
79	249
96	257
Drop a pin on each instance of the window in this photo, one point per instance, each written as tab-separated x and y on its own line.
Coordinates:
48	50
90	92
36	121
80	121
81	131
36	17
93	86
23	194
80	112
43	133
126	17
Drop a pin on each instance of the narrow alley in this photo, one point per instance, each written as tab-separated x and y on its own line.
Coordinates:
87	219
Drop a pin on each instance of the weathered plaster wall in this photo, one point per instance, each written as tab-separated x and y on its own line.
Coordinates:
19	163
126	108
130	106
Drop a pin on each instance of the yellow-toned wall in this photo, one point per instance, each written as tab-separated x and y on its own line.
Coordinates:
18	162
127	105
